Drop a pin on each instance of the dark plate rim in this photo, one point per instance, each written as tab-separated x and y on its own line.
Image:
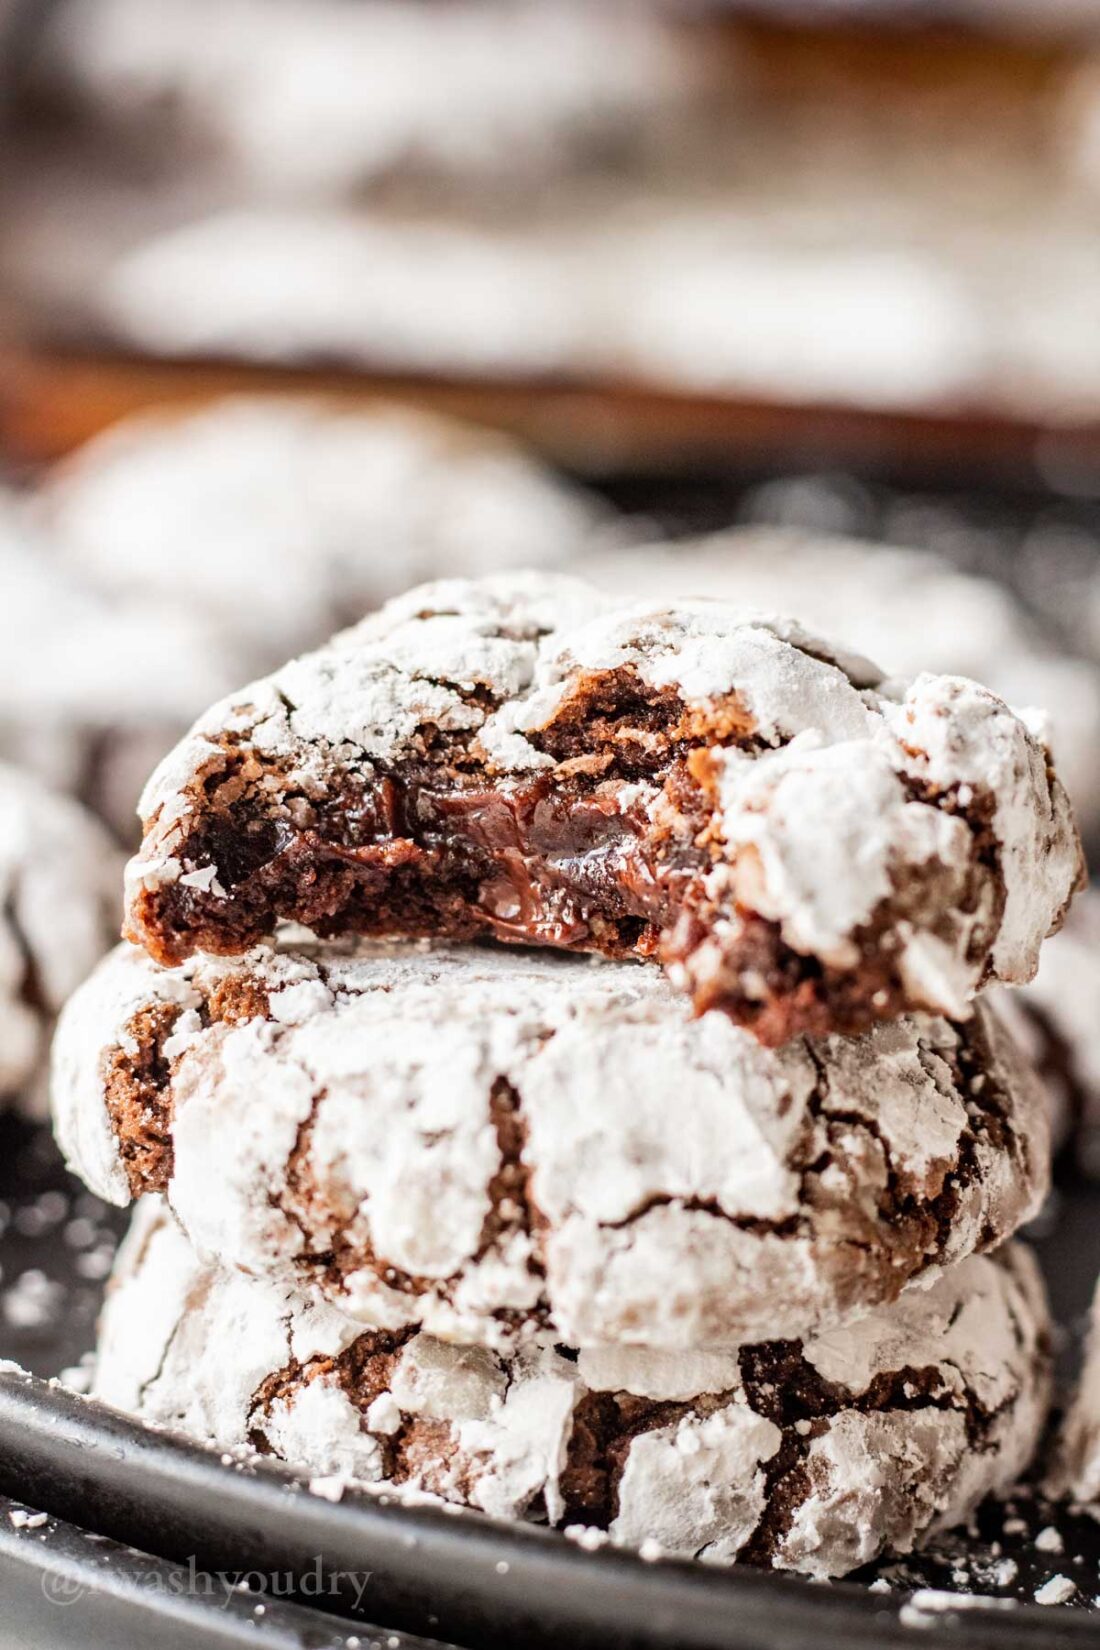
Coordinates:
453	1574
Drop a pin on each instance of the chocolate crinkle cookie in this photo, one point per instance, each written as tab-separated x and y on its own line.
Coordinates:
94	685
815	1454
486	1143
58	914
806	846
274	521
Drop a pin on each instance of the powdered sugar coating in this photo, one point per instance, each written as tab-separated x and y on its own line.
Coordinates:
941	1402
479	1142
58	913
908	609
278	520
942	824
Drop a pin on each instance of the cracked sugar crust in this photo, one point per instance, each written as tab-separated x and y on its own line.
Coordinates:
815	1454
806	847
483	1142
58	915
908	609
277	521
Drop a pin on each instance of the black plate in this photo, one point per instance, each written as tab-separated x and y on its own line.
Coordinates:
63	1589
460	1576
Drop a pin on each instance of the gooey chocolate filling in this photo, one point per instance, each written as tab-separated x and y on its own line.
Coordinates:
526	862
571	857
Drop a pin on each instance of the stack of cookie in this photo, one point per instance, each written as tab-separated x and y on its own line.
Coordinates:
709	1255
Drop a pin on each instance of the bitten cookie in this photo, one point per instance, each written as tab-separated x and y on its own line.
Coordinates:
486	1142
58	914
814	1455
807	847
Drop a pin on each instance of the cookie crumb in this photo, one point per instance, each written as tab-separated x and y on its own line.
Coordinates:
329	1488
1058	1590
587	1536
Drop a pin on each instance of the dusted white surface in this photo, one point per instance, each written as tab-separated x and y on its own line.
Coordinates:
685	1187
185	1346
909	610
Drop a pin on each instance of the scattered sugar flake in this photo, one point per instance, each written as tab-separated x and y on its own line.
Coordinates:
879	1586
1058	1590
20	1519
330	1488
589	1537
929	1602
502	1566
1015	1526
650	1550
910	1616
983	1571
1049	1541
1003	1573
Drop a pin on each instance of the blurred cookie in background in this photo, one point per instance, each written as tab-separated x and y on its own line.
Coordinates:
895	221
908	610
93	688
1057	1019
59	912
181	553
320	97
276	521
